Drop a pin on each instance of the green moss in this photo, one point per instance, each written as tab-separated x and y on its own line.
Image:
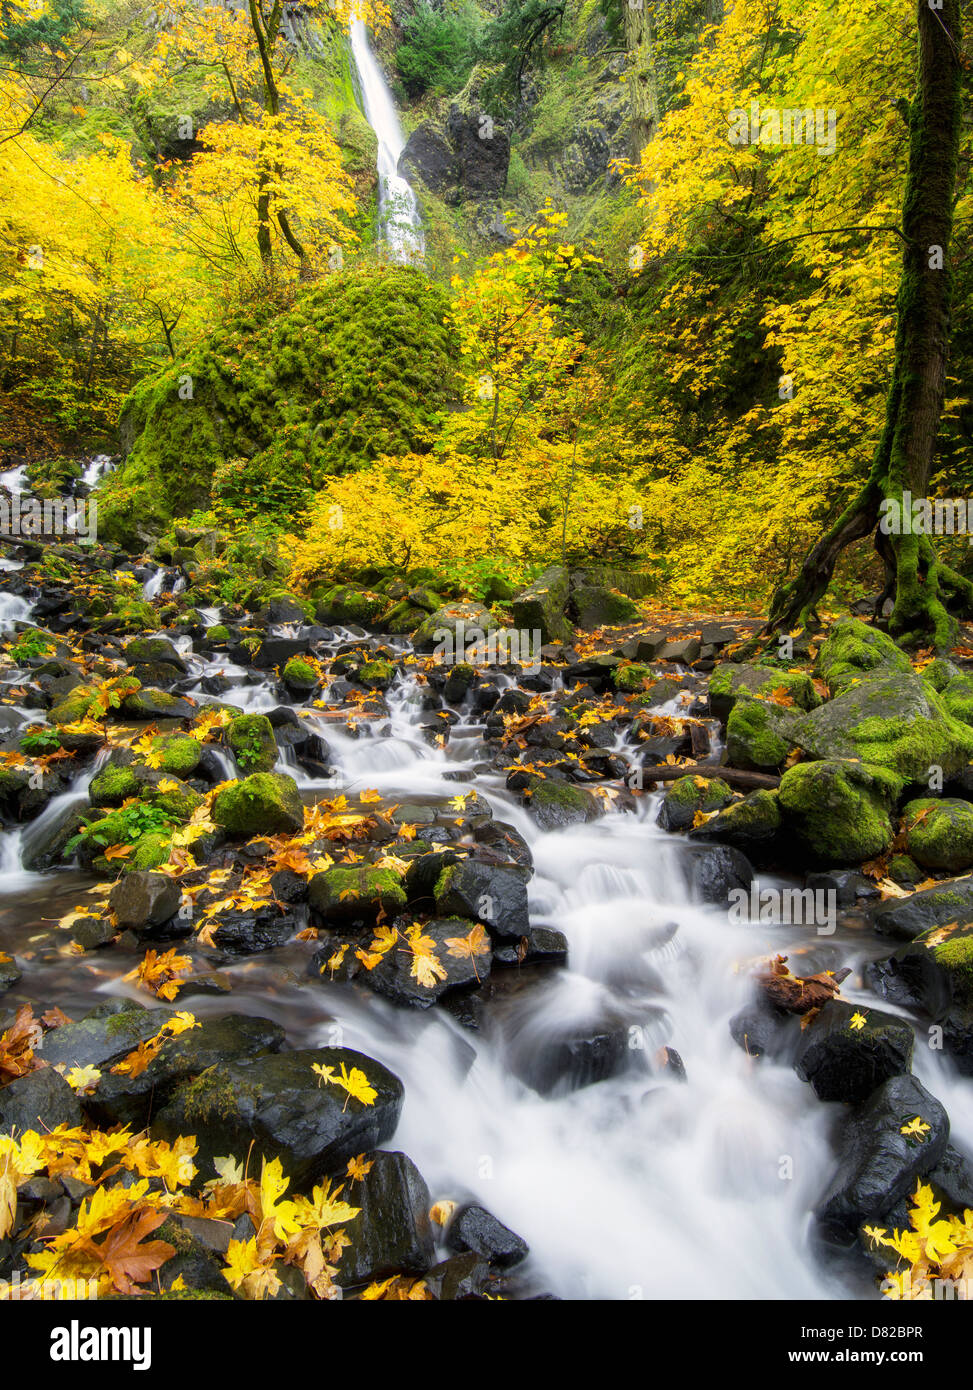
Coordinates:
180	753
355	892
267	803
853	649
377	675
112	786
343	603
218	633
631	676
252	742
839	811
758	735
359	367
74	706
939	834
298	672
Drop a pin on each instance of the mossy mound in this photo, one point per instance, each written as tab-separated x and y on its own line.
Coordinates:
356	894
274	402
267	803
839	812
729	682
344	603
759	734
251	741
690	795
853	651
939	834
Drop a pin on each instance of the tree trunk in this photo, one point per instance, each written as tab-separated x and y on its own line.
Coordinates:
918	582
643	85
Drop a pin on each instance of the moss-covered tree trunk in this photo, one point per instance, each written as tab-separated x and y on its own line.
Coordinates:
919	583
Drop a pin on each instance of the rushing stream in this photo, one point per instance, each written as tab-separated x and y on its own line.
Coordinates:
644	1185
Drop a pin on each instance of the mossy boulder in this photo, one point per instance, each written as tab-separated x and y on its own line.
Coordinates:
892	719
153	651
690	795
455	624
753	824
846	1051
729	681
541	606
403	618
631	676
174	797
853	651
939	833
934	974
554	805
299	675
180	754
151	850
345	603
596	607
250	738
113	785
156	704
839	812
357	367
355	894
759	734
74	706
957	696
265	803
376	675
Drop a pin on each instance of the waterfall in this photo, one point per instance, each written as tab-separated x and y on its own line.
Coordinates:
397	207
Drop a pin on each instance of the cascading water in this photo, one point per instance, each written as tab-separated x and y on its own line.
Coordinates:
643	1185
399	223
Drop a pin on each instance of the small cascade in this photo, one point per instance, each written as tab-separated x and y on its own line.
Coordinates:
398	210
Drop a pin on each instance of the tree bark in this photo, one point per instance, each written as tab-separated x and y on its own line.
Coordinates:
903	459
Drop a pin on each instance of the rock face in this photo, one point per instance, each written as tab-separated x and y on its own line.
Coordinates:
465	158
475	1230
541	606
284	1110
102	1038
878	1164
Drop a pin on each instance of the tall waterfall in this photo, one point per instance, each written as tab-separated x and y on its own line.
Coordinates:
397	207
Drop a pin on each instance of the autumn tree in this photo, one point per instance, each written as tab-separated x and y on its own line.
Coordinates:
921	586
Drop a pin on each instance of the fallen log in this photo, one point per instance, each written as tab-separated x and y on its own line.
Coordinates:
735	777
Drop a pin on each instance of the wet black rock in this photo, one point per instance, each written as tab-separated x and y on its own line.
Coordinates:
285	1110
878	1163
101	1038
40	1101
846	1059
539	944
474	1229
392	1233
394	977
490	893
461	1276
904	918
761	1030
718	871
245	932
129	1100
566	1059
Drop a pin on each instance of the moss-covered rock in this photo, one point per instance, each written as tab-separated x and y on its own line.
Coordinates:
597	607
251	740
759	734
174	797
689	795
376	675
74	706
729	681
631	676
541	606
753	824
455	624
839	812
347	603
156	704
555	805
957	696
300	675
939	834
113	785
356	894
150	851
854	651
267	803
892	719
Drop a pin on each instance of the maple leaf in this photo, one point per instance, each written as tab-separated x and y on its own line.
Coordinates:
426	967
857	1022
916	1128
117	852
475	943
369	797
83	1079
358	1168
126	1256
17	1045
441	1212
247	1272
